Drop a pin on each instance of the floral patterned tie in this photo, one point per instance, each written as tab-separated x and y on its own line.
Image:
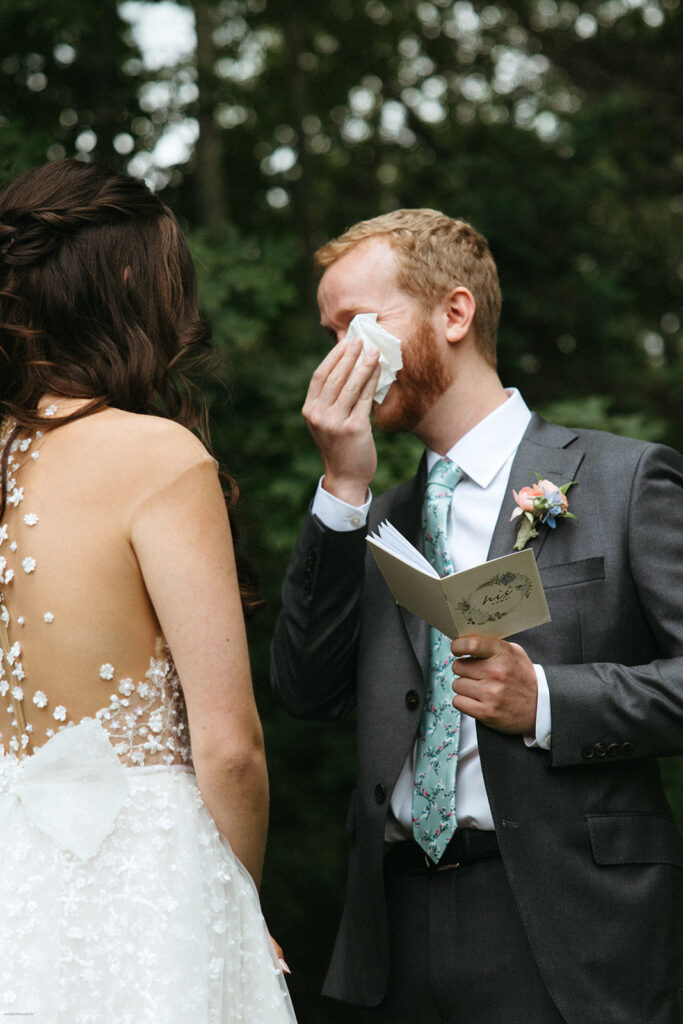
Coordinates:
434	820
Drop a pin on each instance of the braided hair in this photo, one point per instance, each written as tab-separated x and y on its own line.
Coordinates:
98	300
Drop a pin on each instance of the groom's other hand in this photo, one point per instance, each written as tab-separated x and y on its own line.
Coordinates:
496	685
337	413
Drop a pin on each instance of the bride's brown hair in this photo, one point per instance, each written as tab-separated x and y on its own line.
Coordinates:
98	300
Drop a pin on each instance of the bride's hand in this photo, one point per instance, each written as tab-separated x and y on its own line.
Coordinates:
280	955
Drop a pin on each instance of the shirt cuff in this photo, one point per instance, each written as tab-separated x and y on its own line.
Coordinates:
543	721
336	514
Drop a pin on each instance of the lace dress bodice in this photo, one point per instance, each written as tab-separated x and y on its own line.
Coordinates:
145	718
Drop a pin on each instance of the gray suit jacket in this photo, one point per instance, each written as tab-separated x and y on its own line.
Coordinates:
590	849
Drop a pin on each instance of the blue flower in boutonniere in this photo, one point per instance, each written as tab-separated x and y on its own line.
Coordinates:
543	503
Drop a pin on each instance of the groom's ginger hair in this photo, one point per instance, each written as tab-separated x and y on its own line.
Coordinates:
435	254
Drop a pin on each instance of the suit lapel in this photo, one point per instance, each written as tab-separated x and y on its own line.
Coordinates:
406	516
545	449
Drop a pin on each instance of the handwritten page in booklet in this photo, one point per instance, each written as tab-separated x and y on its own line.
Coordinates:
498	598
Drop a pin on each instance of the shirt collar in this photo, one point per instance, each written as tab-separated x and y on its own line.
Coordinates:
485	449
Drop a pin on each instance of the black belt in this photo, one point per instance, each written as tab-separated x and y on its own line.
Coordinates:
467	846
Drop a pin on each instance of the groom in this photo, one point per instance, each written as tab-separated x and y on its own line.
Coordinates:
557	898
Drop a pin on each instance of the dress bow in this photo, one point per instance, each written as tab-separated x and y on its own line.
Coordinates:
72	788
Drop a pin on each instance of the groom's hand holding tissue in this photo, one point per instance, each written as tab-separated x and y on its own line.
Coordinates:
337	412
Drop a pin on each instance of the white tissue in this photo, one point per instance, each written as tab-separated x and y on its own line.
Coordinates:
365	327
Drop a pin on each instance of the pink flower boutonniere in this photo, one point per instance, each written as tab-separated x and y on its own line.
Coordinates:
544	502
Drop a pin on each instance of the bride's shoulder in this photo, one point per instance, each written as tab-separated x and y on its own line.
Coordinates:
152	436
147	450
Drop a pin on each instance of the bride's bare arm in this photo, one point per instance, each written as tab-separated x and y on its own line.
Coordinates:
181	538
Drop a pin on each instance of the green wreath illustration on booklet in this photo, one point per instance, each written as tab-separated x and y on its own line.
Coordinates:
495	598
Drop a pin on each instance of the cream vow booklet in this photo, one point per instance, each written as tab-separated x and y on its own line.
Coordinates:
497	598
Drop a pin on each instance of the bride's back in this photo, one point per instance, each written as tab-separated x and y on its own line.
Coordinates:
98	316
83	638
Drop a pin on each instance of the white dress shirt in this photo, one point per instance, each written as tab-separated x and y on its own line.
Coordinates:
485	454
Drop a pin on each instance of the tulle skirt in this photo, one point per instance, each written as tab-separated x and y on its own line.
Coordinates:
161	924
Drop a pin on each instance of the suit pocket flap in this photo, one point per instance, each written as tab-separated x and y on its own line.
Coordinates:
635	839
571	573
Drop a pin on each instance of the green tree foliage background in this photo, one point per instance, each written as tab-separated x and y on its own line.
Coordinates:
556	127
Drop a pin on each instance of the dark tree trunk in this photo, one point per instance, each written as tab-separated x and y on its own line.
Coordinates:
303	190
211	184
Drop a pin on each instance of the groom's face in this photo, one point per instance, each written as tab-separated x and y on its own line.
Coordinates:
364	281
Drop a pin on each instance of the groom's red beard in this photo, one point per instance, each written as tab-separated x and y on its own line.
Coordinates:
422	380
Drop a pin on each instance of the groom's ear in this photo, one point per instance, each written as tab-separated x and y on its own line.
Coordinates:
458	311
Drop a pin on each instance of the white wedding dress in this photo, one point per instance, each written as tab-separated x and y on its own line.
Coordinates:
121	902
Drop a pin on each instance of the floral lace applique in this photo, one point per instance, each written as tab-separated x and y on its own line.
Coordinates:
147	721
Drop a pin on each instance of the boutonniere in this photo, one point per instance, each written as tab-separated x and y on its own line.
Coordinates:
543	503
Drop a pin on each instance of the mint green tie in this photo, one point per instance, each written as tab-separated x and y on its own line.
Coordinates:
434	820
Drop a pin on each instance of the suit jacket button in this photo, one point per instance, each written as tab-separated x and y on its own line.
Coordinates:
587	752
613	750
600	749
626	749
380	793
412	700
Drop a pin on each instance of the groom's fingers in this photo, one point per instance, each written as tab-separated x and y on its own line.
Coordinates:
477	647
348	380
341	378
341	391
322	372
367	395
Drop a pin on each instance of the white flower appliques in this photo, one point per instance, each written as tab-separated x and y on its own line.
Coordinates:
48	617
153	745
106	671
13	653
40	699
29	565
30	519
59	713
16	496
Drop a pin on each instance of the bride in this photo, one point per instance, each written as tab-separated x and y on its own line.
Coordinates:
133	787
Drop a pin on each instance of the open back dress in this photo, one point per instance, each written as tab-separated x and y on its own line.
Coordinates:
121	902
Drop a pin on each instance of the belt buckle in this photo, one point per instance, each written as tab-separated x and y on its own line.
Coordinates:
431	866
